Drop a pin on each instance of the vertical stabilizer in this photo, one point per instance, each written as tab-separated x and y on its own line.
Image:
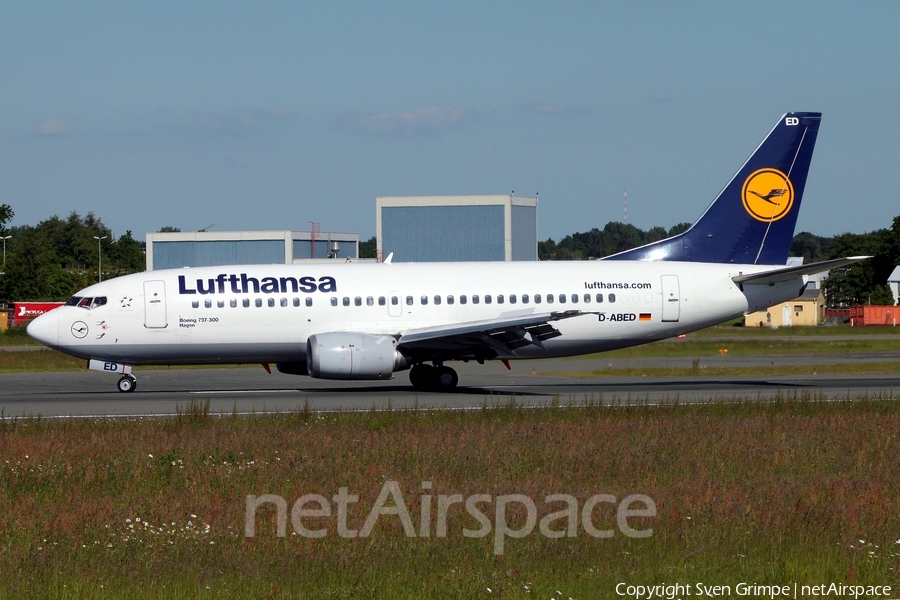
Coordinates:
752	220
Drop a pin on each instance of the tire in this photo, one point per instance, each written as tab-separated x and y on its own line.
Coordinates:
421	376
127	384
445	379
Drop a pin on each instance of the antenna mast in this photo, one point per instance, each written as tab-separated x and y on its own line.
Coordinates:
313	235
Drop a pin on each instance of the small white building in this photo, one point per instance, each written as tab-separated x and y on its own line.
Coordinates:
894	283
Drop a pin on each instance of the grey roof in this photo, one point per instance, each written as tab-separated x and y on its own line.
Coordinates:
811	294
895	274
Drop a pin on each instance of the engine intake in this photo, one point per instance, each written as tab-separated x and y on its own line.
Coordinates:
347	355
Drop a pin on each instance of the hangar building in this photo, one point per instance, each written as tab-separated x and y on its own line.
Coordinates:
456	228
207	248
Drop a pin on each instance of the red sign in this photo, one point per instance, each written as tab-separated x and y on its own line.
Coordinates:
26	311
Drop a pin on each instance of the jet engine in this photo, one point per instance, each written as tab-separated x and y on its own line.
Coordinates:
348	355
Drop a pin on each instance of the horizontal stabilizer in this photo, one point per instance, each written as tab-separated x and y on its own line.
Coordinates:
788	273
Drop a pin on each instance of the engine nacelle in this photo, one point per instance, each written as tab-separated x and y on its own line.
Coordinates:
348	355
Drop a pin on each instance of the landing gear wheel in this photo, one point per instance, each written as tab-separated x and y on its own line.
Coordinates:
127	384
421	375
445	379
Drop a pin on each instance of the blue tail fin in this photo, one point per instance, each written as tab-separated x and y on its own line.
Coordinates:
752	220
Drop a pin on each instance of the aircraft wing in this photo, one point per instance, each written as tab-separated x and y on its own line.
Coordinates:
788	273
489	338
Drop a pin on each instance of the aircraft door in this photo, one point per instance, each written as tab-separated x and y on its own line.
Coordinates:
671	298
155	305
395	304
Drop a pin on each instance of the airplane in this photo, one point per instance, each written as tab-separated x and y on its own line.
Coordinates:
367	321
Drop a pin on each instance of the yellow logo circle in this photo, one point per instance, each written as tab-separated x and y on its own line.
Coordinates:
768	195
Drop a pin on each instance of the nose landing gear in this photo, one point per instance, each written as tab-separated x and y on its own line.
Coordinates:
433	378
127	383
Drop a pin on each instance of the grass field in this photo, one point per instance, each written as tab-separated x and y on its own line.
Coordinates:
797	490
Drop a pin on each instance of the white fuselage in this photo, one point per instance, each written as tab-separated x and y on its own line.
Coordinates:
265	313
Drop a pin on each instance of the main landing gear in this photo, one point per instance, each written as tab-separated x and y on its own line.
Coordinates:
433	378
127	383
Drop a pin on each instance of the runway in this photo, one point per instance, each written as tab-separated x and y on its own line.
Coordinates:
252	390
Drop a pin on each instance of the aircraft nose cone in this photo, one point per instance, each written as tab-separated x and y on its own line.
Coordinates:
45	328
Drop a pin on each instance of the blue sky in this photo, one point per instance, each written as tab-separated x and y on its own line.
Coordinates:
270	115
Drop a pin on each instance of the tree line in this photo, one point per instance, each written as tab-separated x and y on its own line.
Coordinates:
57	257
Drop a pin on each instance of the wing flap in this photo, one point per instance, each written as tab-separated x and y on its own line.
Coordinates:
495	337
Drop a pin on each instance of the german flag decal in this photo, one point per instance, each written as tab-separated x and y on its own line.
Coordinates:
645	317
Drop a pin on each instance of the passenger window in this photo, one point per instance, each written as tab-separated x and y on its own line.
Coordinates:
537	298
370	301
334	301
246	303
258	303
346	301
220	304
499	298
549	298
357	301
475	299
525	299
195	304
599	298
612	297
382	300
512	298
296	302
437	299
233	303
309	301
395	300
574	298
487	298
283	302
423	300
409	300
450	299
587	297
207	303
462	299
270	302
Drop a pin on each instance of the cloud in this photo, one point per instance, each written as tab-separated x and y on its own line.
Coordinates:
53	127
408	123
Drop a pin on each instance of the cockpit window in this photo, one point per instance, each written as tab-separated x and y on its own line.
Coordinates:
87	303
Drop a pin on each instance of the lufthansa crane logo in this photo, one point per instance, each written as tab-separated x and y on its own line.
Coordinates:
768	195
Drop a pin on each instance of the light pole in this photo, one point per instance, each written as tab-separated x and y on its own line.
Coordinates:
99	256
4	252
